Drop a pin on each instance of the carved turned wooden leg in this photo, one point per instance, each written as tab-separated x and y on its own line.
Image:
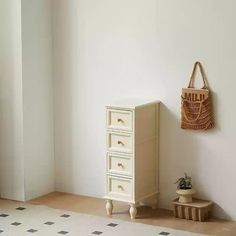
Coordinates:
109	207
133	211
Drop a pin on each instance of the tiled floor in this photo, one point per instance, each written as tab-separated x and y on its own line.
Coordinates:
159	217
19	219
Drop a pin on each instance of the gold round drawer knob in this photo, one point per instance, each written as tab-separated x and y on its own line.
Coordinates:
120	143
120	187
119	120
120	165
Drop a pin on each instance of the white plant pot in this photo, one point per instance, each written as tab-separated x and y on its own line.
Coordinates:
185	195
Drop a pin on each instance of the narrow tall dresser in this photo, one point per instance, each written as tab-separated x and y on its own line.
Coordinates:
132	129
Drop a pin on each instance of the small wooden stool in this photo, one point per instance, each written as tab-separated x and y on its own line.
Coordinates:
198	210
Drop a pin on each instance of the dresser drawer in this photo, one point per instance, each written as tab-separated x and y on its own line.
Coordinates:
119	119
119	142
119	164
120	188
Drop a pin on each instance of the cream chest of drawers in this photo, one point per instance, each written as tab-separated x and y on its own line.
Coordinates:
132	128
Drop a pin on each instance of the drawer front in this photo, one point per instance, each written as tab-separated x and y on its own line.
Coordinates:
120	142
120	188
120	119
118	164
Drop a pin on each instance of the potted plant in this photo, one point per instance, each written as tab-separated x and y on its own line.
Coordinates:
184	189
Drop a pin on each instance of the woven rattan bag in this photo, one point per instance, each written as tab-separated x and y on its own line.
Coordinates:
196	104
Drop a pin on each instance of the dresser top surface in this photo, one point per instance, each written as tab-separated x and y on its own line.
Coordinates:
132	103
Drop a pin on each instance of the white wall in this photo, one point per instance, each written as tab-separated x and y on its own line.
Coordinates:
26	99
105	50
11	122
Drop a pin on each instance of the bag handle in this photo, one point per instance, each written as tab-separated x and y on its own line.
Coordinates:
197	64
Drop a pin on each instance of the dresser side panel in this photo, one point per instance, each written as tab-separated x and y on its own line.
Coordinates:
146	151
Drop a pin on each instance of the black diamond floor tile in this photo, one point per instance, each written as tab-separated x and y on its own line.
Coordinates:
63	232
164	233
20	208
97	232
16	223
49	223
112	224
4	215
32	230
1	231
65	215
